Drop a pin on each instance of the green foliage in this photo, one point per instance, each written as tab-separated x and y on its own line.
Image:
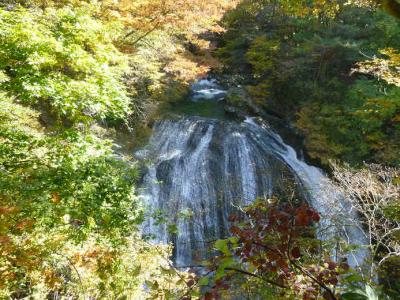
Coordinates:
69	217
386	69
69	214
365	126
389	274
63	58
69	184
261	55
305	64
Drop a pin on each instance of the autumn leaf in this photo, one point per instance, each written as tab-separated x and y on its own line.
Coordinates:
4	210
55	198
302	218
296	253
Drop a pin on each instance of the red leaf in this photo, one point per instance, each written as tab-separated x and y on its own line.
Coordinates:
302	219
232	218
316	217
296	253
235	230
280	263
190	283
333	281
345	266
332	265
208	296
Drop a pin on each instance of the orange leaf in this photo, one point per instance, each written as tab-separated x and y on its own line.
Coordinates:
4	239
8	210
55	198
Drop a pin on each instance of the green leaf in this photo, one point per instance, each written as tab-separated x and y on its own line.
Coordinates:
203	281
172	228
224	263
353	296
222	245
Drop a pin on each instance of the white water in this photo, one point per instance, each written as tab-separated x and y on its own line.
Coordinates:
337	218
205	169
207	89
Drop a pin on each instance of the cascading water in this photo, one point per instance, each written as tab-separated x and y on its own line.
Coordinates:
207	89
201	170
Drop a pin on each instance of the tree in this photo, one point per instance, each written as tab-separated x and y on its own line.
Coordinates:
390	6
69	217
297	60
69	214
275	247
374	193
63	58
386	69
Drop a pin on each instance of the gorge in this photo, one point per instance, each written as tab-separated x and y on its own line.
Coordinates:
191	149
200	170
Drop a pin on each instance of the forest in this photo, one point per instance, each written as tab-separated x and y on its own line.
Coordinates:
190	149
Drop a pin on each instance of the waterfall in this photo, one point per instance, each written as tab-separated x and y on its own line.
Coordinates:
201	170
